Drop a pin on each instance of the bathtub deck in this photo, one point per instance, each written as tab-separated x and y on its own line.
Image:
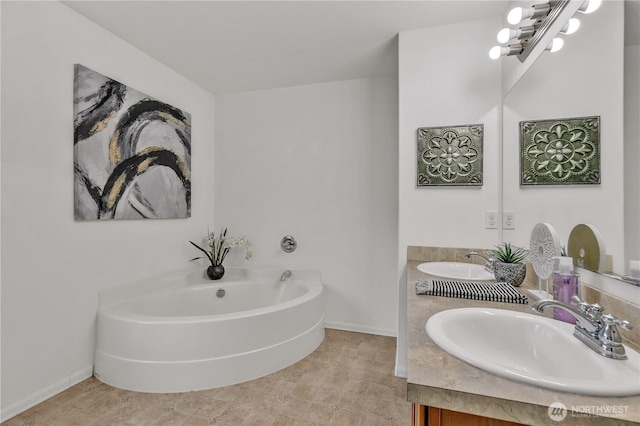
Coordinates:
347	381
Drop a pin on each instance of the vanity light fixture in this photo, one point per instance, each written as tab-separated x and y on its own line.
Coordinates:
521	41
523	35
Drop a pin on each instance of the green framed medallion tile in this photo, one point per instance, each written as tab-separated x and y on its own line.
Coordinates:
450	155
563	151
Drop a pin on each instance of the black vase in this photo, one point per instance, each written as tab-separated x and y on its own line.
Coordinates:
215	272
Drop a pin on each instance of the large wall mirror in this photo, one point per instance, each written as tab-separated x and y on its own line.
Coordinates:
584	79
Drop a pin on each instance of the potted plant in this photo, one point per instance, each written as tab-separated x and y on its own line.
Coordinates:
218	248
509	264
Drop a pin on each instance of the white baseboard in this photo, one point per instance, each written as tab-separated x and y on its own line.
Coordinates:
401	370
360	328
45	393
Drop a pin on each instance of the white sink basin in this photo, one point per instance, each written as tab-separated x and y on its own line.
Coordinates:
532	349
455	270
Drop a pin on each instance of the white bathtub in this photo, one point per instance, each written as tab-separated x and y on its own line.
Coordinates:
174	334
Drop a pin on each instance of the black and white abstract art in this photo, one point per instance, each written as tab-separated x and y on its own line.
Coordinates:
132	153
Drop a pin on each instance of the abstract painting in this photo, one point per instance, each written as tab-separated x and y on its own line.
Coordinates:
563	151
132	153
450	155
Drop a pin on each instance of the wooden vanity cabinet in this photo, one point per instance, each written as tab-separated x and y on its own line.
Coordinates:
433	416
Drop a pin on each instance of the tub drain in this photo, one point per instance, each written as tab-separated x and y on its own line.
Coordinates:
221	292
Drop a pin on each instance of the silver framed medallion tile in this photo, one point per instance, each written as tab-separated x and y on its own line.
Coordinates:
450	156
563	151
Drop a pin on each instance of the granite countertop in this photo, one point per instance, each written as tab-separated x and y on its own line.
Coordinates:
436	378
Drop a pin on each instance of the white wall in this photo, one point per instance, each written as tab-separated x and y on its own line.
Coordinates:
318	162
446	78
53	267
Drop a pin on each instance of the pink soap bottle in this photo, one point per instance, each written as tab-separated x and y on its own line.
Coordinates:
565	286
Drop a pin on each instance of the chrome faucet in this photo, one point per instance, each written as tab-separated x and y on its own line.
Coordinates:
599	332
489	260
286	274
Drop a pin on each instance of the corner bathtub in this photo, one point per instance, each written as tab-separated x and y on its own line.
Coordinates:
181	336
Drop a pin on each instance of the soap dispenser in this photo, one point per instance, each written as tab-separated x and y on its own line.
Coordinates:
565	286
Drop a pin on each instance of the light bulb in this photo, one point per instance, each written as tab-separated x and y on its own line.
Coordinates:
536	11
571	26
512	49
495	52
590	6
555	45
506	34
515	15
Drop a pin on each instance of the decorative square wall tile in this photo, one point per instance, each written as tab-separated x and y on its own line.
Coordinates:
563	151
450	155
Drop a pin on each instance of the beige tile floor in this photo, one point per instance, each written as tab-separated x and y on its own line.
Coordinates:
347	381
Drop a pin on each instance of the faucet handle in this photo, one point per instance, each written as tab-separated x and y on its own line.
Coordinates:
586	306
609	319
593	311
582	305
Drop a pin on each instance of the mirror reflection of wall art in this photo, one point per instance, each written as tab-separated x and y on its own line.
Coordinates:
450	155
132	153
560	152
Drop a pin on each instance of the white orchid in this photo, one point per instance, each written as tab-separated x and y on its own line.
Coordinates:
220	246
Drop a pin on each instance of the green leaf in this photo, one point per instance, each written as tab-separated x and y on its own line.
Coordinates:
505	254
202	250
